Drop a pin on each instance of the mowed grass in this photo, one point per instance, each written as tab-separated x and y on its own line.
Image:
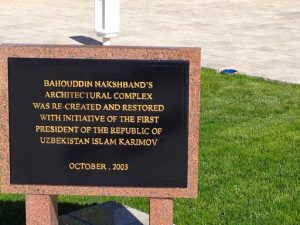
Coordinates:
249	162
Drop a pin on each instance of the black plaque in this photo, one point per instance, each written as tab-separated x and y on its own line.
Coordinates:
35	160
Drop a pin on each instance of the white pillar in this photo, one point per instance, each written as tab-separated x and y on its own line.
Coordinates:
107	19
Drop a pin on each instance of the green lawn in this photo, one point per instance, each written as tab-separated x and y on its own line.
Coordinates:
249	167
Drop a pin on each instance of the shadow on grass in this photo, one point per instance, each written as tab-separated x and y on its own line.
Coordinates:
13	212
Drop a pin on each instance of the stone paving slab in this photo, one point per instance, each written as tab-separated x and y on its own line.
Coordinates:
258	37
69	220
108	213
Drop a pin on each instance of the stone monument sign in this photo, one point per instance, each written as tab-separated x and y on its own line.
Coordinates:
114	121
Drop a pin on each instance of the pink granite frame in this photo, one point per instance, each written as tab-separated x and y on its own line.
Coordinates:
100	52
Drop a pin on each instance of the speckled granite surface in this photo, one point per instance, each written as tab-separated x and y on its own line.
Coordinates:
193	55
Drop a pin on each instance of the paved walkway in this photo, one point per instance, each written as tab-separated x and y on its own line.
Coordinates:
258	37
